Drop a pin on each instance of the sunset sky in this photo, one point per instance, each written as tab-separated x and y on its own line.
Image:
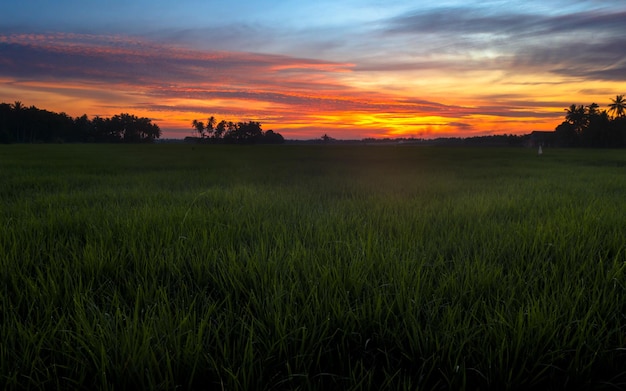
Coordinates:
351	69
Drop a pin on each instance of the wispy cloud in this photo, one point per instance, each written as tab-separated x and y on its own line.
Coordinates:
589	44
504	21
350	68
295	95
161	72
123	60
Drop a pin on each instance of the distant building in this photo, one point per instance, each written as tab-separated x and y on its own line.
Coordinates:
540	138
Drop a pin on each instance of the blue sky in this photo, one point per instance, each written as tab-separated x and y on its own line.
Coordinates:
350	68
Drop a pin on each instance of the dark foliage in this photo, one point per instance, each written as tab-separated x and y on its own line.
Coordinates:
19	124
587	126
235	132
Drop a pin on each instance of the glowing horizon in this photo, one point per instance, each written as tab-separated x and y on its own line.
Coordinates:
455	70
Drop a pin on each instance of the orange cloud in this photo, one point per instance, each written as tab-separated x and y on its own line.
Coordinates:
299	97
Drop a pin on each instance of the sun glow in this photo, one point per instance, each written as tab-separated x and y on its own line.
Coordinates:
301	98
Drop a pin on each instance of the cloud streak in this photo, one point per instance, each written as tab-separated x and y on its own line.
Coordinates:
118	60
243	82
464	69
586	44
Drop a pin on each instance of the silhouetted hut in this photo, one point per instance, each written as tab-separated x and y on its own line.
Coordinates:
539	138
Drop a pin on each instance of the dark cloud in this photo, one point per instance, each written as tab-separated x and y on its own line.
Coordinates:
604	60
458	20
460	125
165	78
594	21
170	72
590	44
26	61
480	20
137	62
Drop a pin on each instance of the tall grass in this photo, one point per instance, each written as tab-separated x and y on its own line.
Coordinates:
292	267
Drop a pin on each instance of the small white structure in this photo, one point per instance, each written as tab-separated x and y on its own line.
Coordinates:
540	151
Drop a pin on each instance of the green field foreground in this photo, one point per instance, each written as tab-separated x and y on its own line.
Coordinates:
311	267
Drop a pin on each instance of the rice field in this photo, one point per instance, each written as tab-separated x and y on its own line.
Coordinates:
208	267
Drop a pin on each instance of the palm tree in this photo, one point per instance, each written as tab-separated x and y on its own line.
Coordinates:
577	116
17	105
618	107
220	129
210	126
592	109
199	127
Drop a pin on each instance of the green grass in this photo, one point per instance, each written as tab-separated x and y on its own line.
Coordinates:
311	267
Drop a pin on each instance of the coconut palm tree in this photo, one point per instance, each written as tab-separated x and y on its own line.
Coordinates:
618	107
210	126
17	105
220	129
577	116
592	109
199	127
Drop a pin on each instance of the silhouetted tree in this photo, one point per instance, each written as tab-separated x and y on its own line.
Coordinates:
134	129
597	131
199	127
618	131
618	107
273	138
249	132
220	129
577	116
230	132
30	125
592	109
210	126
230	136
100	131
17	111
85	128
566	135
6	136
590	127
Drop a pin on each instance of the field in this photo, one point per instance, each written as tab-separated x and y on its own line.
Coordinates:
311	267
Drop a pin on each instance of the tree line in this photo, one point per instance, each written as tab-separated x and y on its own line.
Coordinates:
584	126
230	132
588	126
21	124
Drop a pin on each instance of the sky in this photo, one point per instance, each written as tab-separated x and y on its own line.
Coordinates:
350	69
